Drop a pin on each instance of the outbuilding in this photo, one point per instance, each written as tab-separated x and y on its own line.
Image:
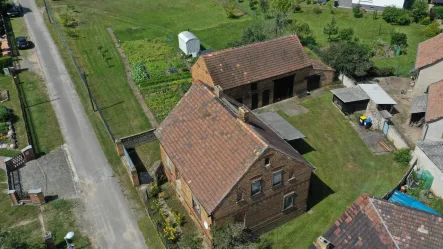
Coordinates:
189	43
350	99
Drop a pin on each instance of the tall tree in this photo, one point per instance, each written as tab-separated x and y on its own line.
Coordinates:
350	58
419	10
331	29
303	31
282	5
280	22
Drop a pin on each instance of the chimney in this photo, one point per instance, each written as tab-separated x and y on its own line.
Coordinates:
323	243
218	91
243	113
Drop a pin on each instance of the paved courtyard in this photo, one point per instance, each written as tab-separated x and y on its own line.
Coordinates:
371	138
51	173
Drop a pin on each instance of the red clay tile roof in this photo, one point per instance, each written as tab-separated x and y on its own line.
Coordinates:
378	224
211	147
319	65
429	52
434	110
244	65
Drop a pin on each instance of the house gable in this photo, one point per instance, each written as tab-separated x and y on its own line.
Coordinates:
200	72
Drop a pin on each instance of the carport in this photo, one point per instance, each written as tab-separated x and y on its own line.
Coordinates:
350	99
280	126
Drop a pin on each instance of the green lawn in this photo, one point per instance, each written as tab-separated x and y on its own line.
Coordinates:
344	164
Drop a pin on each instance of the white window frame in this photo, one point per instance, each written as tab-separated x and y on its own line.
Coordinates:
281	178
284	200
261	188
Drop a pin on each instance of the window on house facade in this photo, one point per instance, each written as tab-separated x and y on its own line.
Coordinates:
168	164
288	201
267	161
277	178
256	187
253	86
196	207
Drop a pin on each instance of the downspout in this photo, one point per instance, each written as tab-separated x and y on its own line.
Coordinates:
426	132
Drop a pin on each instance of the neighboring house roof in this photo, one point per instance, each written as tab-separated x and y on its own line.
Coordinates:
379	224
244	65
429	52
377	94
186	36
419	104
434	109
212	147
381	3
319	65
350	94
280	126
433	150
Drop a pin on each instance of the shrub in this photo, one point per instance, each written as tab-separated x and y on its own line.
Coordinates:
403	156
426	21
419	10
399	39
153	189
357	11
317	10
4	113
308	1
432	30
170	232
396	15
5	62
382	72
155	205
296	6
190	241
139	72
230	10
179	218
437	11
346	34
4	128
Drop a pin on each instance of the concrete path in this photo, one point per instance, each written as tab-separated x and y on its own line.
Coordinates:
112	224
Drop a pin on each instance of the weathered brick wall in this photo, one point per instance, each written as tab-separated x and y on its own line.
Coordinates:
200	72
262	210
326	77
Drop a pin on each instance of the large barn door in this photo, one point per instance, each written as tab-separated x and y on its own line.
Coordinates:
313	82
283	88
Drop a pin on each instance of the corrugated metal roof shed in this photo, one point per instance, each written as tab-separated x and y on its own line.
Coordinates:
377	94
419	104
350	94
280	126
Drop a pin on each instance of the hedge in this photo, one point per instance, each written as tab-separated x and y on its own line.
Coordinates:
5	62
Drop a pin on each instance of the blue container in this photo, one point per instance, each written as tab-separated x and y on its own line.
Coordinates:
405	200
368	123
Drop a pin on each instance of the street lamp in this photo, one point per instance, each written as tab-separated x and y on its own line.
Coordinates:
69	237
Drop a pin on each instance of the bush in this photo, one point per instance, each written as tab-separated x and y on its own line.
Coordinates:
346	34
308	1
179	218
190	241
426	21
437	11
317	10
4	113
139	72
5	62
399	39
381	72
357	11
153	189
419	10
230	10
396	15
4	128
170	232
296	6
403	156
431	30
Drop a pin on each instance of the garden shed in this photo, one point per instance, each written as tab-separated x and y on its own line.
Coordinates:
350	99
189	43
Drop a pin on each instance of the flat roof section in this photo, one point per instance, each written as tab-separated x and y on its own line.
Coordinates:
280	126
350	94
377	94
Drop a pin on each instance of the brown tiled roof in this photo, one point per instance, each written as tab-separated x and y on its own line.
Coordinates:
319	65
434	110
244	65
429	52
372	223
211	146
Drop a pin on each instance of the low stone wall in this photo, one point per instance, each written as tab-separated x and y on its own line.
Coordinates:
393	135
396	138
347	81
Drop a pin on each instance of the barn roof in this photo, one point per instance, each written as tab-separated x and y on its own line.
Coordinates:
244	65
186	36
377	94
377	223
212	147
429	52
419	104
435	102
350	94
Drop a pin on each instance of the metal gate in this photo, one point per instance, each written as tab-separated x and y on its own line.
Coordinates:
385	128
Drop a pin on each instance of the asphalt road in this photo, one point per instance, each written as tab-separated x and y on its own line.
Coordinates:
105	207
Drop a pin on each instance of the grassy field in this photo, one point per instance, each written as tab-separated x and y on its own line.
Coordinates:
345	169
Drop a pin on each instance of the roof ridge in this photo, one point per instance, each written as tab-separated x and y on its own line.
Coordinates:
383	222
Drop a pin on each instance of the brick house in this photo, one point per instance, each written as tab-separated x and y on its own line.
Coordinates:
263	73
228	166
380	224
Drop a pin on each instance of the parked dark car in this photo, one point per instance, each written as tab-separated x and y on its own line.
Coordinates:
22	42
12	10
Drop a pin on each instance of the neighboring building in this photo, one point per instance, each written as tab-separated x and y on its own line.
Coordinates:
227	165
189	43
429	63
370	4
362	97
428	155
263	73
379	224
433	127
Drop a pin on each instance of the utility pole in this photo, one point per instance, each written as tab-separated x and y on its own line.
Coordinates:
83	75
